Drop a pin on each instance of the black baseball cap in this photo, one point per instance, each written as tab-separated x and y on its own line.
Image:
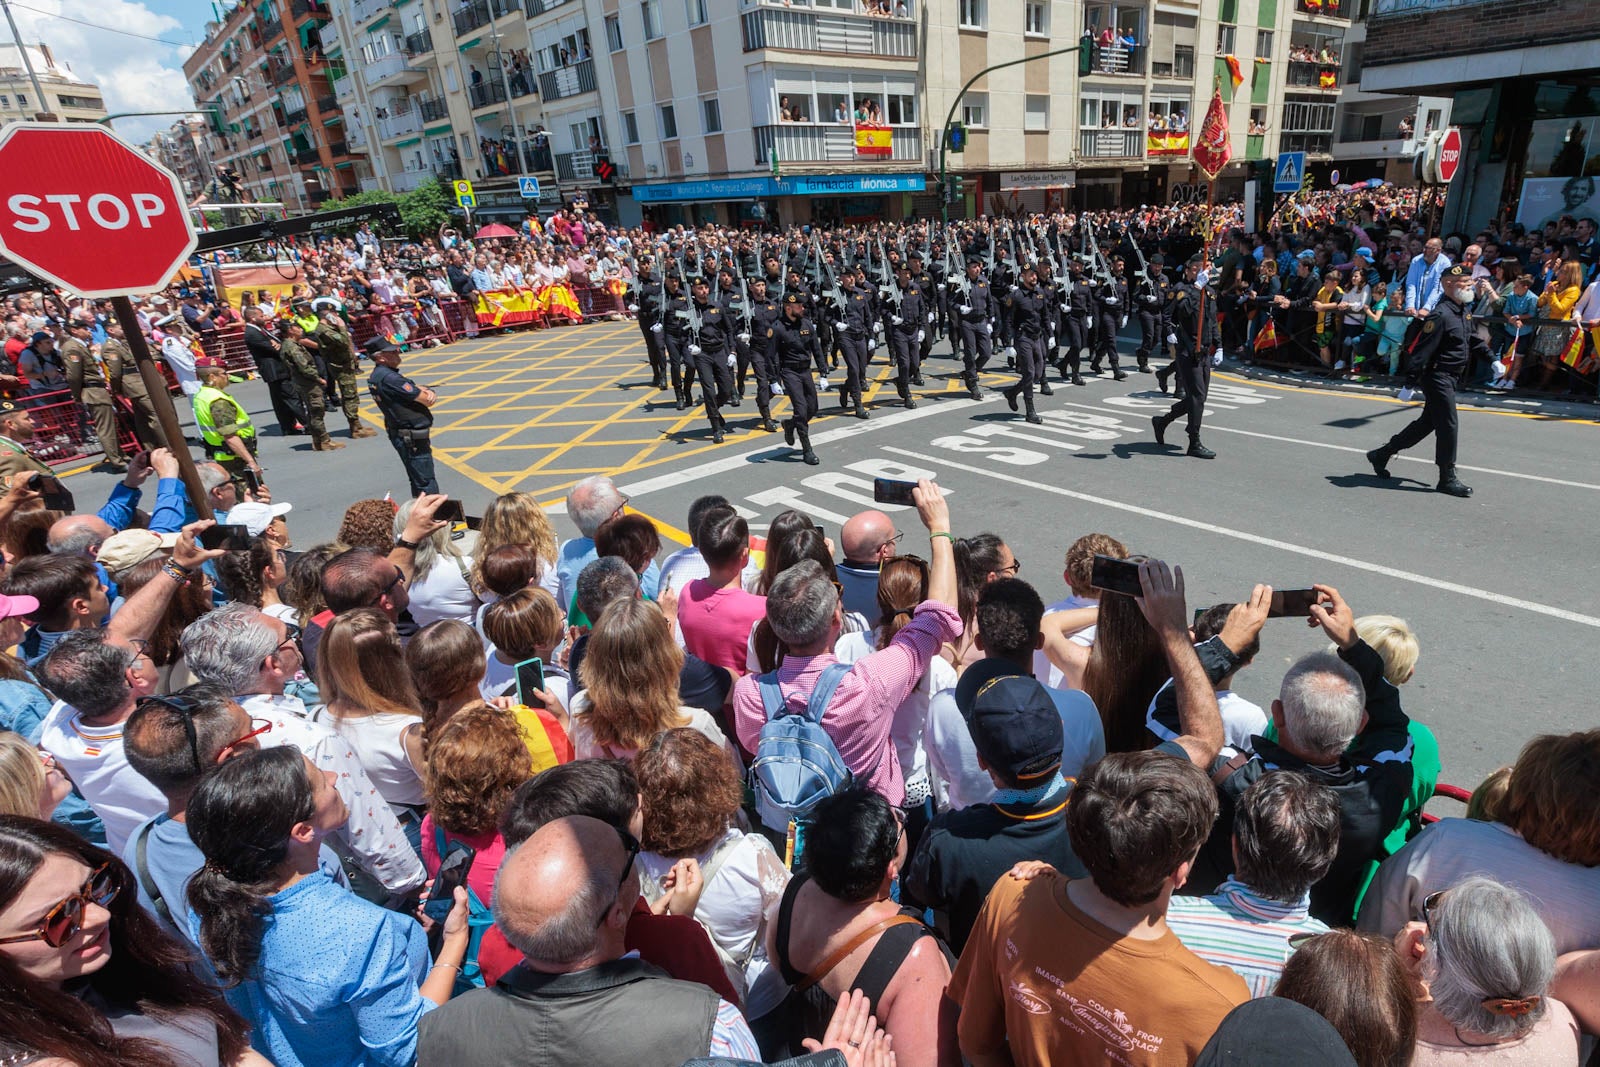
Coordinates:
380	344
1016	728
1273	1031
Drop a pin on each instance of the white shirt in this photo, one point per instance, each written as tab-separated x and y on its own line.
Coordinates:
584	746
379	743
1241	720
93	758
1587	309
371	833
688	565
180	357
444	592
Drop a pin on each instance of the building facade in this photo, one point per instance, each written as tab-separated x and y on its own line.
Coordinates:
66	96
182	149
266	69
1378	134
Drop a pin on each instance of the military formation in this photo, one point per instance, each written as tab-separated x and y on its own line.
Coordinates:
1040	295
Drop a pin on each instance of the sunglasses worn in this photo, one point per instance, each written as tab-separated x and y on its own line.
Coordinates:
631	845
62	922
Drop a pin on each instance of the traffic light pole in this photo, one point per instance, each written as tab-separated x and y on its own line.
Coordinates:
944	133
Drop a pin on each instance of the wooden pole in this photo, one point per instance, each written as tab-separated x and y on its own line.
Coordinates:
1205	264
161	400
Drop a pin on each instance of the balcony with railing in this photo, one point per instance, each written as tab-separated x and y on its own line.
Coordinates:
327	104
399	123
805	143
567	81
356	137
419	43
307	157
314	8
579	166
344	89
295	116
433	110
1337	9
339	148
362	10
1111	144
1120	59
480	13
283	72
369	184
797	29
539	7
271	30
487	92
394	66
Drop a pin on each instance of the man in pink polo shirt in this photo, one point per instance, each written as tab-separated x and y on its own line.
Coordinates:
715	614
803	609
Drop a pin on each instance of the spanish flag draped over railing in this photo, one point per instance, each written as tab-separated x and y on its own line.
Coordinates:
1572	355
510	307
1167	143
874	140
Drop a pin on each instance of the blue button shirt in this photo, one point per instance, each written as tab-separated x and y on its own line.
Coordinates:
577	554
1423	286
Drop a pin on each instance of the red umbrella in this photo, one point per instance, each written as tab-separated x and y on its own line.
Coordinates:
495	229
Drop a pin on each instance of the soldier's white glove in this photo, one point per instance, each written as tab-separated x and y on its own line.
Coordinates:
1051	342
1406	392
694	350
873	347
822	383
733	360
877	327
744	338
656	328
1123	323
1111	300
633	308
1216	358
1009	353
896	319
919	337
930	318
777	388
1013	289
965	309
1172	338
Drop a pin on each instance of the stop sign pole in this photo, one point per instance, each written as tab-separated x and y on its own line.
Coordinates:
88	211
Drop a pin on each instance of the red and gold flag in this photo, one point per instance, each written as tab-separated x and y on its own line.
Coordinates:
874	140
1234	73
1574	350
1212	147
1267	337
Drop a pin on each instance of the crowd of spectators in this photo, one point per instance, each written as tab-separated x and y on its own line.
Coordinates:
391	800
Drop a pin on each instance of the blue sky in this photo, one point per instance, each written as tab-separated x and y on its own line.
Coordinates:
135	74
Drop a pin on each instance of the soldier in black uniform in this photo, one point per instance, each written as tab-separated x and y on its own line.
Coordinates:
644	300
1445	347
795	347
1150	300
712	354
929	292
405	406
1193	368
855	339
973	320
1111	300
734	306
675	332
905	332
1028	309
764	311
1002	279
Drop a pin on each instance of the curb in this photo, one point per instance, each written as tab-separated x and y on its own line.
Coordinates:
1551	407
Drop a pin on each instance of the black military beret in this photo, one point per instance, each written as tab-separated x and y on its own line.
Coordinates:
794	298
1458	271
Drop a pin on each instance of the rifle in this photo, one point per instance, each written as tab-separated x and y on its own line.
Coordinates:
826	279
956	271
887	290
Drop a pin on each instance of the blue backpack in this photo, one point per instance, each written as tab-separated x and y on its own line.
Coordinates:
796	762
455	863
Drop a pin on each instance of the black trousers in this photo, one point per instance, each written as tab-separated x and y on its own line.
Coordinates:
856	356
1105	345
758	362
1030	363
716	382
1075	340
1150	339
1194	371
801	389
416	454
288	406
977	347
682	363
903	347
1438	417
655	351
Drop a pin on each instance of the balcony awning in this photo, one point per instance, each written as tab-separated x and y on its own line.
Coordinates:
379	23
346	165
434	131
333	120
469	44
408	142
490	117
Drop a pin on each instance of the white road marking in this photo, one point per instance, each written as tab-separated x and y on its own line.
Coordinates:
1269	542
1350	448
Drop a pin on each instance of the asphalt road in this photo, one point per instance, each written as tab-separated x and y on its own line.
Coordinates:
1502	589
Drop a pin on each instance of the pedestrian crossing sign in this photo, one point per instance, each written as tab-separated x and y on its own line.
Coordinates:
1290	172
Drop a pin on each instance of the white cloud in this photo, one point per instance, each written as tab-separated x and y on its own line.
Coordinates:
135	74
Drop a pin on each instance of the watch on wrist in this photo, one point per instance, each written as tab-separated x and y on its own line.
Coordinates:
401	542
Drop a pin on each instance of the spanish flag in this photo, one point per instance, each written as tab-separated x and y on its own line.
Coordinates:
1574	350
1328	79
1235	75
1267	338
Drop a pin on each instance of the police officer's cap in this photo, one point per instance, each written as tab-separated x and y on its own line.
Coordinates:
916	253
1030	265
1156	260
1195	261
794	298
380	344
974	261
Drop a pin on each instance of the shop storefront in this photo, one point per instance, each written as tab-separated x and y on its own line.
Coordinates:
780	201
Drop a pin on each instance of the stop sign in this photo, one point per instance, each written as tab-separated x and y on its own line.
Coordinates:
1449	155
88	211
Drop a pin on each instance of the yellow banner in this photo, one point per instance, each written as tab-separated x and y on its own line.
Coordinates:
874	141
1167	143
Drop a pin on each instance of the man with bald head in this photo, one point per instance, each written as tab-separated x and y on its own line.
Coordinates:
562	898
867	539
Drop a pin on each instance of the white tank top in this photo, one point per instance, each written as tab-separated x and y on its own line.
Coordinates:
376	741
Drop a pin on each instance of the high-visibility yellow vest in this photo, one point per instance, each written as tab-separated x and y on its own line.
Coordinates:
203	399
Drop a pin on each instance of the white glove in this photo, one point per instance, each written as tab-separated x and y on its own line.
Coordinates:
656	328
919	337
896	319
1009	353
930	318
694	350
1406	392
873	345
733	360
877	326
1172	338
1050	342
633	308
777	388
1216	358
1013	289
988	327
965	309
1111	300
1124	322
822	383
1499	369
744	338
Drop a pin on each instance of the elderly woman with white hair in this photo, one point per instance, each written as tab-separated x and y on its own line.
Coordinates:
1484	961
441	582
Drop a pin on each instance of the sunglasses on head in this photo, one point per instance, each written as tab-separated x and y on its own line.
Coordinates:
62	922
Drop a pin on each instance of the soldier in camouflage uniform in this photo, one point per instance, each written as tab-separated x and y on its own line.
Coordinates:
88	386
122	374
306	379
338	352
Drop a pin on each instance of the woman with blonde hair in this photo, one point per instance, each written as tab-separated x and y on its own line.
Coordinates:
30	782
375	708
441	584
630	685
516	519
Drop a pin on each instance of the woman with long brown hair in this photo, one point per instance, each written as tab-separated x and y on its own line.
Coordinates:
87	977
1126	667
630	685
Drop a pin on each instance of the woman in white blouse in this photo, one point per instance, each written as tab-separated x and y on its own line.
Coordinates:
441	584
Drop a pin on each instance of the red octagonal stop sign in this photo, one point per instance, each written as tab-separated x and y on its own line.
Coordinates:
1449	155
88	211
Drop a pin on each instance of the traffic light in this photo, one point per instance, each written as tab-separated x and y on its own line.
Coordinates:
956	138
1088	53
954	190
604	169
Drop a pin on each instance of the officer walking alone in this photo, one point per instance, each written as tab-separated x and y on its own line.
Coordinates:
1443	350
406	411
793	347
1193	368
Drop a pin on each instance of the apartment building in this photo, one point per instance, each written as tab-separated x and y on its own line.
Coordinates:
267	67
181	148
66	96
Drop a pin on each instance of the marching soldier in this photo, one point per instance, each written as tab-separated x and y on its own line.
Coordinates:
1444	348
794	346
308	381
1078	307
338	353
675	323
406	412
1112	310
929	292
764	311
1028	309
88	386
122	375
855	339
645	302
905	332
1193	368
712	356
973	320
1150	298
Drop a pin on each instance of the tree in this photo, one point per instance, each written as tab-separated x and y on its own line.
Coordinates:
426	208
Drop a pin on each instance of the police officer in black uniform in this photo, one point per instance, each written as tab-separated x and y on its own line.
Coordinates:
675	334
930	299
905	332
973	320
1150	300
1193	368
855	338
405	406
1028	308
644	300
794	345
1445	347
1003	279
764	311
711	350
1111	300
1078	307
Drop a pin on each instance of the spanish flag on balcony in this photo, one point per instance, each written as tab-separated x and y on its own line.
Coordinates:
1235	75
874	140
1167	143
1328	79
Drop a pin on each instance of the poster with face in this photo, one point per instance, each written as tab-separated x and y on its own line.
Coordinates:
1545	200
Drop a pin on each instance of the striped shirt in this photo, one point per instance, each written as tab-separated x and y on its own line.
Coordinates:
1243	931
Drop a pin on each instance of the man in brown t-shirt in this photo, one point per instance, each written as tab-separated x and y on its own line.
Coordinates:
1062	970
